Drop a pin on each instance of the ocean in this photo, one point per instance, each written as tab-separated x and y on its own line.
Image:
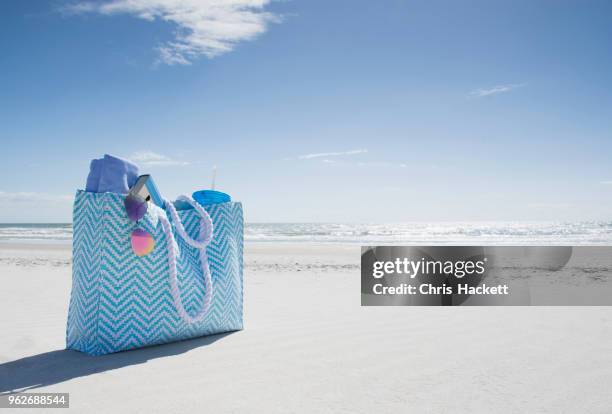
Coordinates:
499	233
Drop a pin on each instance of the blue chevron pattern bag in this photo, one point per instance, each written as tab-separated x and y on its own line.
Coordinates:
188	286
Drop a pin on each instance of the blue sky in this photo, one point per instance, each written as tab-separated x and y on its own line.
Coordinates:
353	111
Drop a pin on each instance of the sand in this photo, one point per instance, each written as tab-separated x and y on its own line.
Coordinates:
308	346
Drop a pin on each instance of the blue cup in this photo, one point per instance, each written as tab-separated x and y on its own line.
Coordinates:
207	197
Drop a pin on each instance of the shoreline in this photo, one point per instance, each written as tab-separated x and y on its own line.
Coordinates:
258	256
252	246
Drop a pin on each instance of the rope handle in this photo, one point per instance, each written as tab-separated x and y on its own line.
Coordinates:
204	238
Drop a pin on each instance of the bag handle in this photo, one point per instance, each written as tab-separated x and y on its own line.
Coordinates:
204	238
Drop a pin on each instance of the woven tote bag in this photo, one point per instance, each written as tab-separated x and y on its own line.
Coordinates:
190	285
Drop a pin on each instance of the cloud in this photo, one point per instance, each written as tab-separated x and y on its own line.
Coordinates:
481	93
331	154
332	158
25	197
549	205
204	27
382	164
153	159
375	164
607	182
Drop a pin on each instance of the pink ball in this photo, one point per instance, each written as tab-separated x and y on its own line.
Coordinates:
142	242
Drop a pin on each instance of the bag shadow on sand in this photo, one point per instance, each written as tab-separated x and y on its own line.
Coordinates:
63	365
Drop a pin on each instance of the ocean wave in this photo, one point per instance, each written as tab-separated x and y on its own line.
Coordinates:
445	233
34	232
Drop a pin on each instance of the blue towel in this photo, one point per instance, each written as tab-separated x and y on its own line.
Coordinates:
111	175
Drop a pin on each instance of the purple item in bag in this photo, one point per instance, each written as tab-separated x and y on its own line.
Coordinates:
111	175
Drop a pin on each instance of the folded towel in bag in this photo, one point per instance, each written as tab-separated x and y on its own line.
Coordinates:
111	175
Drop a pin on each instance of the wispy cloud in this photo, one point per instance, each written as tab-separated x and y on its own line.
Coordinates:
340	158
204	27
606	182
382	164
153	159
549	205
375	164
331	154
481	93
24	197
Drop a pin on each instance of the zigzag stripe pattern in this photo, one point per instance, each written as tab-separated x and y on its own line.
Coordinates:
120	301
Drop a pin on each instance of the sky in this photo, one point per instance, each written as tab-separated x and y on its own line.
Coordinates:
314	111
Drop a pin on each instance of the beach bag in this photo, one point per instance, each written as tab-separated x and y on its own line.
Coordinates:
121	301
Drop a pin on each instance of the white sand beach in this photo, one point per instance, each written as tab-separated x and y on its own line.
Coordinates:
308	346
